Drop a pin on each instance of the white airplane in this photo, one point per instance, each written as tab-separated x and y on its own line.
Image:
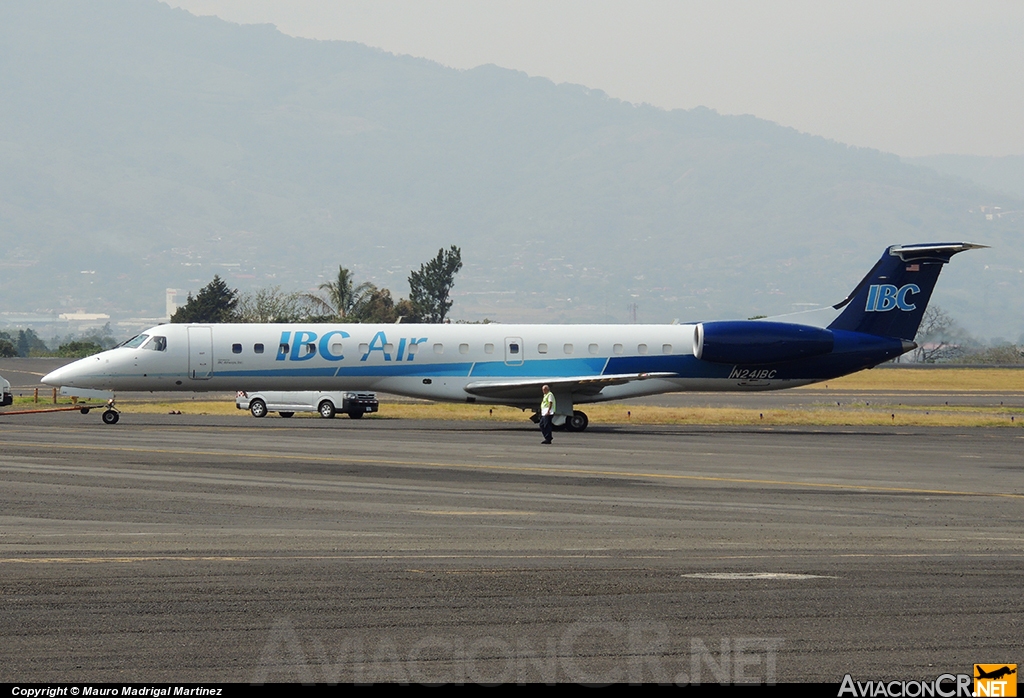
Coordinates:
507	364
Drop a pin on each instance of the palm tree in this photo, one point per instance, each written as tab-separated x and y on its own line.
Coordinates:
342	297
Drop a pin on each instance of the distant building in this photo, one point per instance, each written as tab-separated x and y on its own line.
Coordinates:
172	302
83	317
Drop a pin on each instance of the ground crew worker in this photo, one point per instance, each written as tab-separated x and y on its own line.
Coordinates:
547	411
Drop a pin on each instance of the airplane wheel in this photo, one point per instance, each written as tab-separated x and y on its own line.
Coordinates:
326	409
258	408
110	417
577	422
286	415
355	415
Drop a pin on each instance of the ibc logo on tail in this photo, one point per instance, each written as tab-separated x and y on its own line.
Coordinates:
885	297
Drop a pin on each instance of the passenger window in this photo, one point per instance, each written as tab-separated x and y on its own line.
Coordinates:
336	348
488	348
310	349
364	348
389	348
236	348
617	348
438	348
463	348
284	348
666	348
542	348
567	348
413	348
257	348
513	348
593	349
641	349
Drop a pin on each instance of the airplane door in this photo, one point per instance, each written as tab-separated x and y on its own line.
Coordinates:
514	351
200	352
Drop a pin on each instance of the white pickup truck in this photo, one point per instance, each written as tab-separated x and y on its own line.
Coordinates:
5	392
287	403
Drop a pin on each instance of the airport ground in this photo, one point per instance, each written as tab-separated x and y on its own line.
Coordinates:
218	548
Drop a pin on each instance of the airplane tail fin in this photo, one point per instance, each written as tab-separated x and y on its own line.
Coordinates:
891	299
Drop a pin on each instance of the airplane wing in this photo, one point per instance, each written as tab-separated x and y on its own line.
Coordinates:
529	388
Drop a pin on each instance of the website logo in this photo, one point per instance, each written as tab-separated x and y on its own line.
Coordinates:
995	680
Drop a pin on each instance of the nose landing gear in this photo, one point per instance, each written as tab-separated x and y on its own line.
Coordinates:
110	414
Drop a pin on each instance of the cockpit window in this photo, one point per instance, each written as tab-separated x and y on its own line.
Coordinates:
156	344
136	341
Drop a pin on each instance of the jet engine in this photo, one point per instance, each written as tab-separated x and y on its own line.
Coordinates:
752	342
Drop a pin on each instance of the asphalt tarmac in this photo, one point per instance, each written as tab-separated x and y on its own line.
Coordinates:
190	548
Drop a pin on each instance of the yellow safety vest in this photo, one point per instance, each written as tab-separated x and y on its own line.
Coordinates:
547	403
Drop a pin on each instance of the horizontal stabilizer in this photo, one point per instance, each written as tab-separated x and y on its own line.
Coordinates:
938	251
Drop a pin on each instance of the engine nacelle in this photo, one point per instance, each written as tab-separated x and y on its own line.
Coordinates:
756	342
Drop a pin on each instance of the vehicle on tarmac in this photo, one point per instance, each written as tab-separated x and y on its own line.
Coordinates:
287	402
497	364
6	398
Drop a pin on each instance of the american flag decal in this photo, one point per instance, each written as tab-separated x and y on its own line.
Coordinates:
913	267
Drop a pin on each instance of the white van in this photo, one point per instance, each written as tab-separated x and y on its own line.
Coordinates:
287	403
6	398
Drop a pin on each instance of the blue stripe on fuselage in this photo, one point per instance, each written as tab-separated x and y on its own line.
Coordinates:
684	364
547	368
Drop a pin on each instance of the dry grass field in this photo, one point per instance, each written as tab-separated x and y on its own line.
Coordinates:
918	380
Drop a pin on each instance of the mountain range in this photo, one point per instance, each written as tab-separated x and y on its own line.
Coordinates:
144	148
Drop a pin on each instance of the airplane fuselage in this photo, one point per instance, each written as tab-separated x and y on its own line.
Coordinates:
439	362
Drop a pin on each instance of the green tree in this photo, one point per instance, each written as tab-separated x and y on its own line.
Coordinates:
342	296
29	344
215	302
378	306
7	349
405	311
430	286
273	305
79	349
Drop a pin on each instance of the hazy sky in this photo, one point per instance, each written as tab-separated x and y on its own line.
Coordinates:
918	77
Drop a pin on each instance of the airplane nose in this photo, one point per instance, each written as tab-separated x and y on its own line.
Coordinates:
73	373
54	377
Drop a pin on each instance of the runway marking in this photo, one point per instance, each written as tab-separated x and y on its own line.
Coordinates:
129	559
472	513
546	470
304	558
754	576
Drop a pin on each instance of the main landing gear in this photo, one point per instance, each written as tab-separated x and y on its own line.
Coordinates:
577	421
